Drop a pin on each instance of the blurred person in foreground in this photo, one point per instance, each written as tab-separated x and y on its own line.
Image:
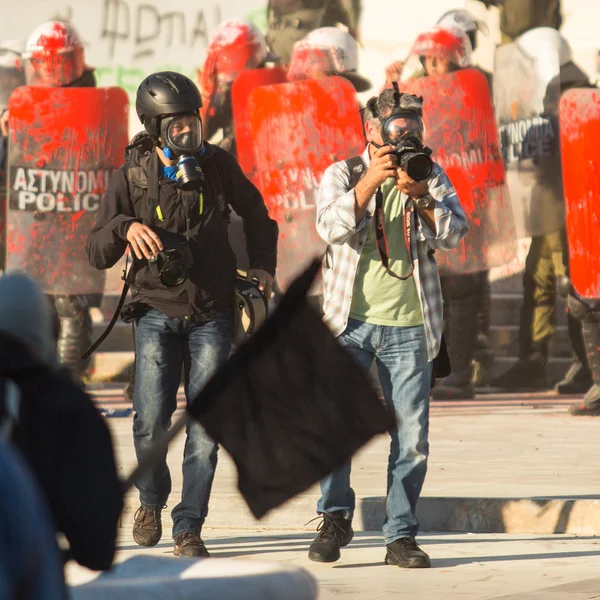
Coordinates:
30	563
56	426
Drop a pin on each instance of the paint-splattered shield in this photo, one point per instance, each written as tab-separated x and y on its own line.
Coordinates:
579	135
242	89
526	93
460	128
243	86
64	145
300	129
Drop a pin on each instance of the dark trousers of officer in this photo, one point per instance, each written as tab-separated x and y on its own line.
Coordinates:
546	263
588	313
75	334
467	303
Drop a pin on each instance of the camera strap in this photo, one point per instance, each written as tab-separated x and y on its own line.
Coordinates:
381	238
128	278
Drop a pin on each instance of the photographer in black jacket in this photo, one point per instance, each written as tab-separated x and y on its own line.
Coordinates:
170	202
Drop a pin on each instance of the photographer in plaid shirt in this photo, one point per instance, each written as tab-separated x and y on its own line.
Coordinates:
382	297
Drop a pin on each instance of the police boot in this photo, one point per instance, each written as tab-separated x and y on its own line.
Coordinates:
483	361
75	335
461	347
578	379
528	373
591	401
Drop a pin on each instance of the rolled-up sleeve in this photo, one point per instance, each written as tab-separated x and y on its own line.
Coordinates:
336	206
450	221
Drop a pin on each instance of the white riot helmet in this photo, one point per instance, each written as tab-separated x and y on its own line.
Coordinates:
545	41
54	55
340	48
462	18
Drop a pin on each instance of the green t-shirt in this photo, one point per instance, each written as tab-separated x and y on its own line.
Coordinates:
380	298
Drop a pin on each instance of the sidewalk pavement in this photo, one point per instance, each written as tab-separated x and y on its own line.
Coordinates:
464	566
498	464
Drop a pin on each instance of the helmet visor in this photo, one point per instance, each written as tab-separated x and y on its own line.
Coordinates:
54	70
400	126
183	133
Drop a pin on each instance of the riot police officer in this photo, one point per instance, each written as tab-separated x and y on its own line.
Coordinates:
291	20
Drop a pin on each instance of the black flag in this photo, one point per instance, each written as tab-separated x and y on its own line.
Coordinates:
291	405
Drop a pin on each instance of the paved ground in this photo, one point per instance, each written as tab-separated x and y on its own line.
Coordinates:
501	447
560	567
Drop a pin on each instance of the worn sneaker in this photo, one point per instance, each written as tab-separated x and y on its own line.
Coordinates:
334	532
406	553
147	526
190	544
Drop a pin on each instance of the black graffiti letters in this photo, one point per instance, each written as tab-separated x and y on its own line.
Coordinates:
151	29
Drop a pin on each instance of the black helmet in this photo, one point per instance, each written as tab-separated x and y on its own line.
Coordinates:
163	94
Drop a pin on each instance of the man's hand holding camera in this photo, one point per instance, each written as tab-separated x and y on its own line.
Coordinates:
383	165
145	243
416	190
408	186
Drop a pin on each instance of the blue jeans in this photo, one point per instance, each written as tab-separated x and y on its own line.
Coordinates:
405	374
162	346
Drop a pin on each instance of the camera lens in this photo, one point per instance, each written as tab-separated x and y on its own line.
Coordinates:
173	276
418	165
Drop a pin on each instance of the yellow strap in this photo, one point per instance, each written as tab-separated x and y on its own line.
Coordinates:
201	203
159	213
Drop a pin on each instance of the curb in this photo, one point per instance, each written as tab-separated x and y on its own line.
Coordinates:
580	516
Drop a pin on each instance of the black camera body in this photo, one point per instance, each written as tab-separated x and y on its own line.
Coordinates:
414	159
171	265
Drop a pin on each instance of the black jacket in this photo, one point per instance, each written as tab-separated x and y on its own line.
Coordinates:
68	446
212	276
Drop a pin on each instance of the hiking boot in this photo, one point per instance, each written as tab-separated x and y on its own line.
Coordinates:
334	532
190	544
526	374
406	553
578	380
147	526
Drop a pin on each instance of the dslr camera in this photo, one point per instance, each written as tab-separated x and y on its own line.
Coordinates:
414	159
171	265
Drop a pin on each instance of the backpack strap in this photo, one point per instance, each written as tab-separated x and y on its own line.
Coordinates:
220	193
357	168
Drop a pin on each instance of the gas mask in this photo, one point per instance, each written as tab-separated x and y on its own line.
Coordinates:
182	138
404	130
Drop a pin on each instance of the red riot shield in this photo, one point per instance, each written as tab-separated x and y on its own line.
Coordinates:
64	145
300	129
580	150
461	129
243	86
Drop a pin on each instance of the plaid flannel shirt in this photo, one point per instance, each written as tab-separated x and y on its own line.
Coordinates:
336	224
